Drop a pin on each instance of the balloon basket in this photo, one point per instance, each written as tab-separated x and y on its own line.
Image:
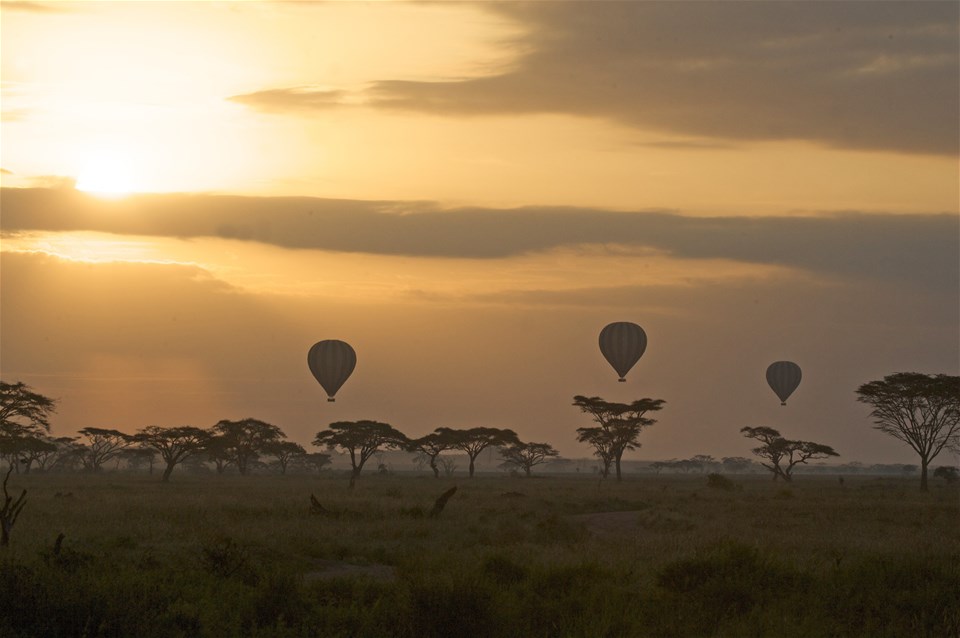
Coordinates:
331	400
621	380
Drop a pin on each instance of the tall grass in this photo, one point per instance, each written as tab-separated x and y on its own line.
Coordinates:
225	556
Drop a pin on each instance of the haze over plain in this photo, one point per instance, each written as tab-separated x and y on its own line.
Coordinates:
467	194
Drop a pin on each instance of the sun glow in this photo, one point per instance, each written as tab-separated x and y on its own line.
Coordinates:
106	174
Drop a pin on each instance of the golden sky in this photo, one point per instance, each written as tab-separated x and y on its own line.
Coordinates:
196	192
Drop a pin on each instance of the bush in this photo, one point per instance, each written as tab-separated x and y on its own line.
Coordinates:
947	473
720	482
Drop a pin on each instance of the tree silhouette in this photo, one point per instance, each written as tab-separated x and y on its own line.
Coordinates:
602	442
781	454
921	410
102	445
23	411
175	445
24	422
284	452
527	455
432	445
473	441
242	442
621	424
361	439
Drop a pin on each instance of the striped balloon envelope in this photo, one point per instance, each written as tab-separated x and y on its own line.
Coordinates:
331	362
622	344
783	378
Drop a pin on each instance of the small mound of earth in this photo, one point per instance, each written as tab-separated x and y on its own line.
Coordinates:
609	523
327	569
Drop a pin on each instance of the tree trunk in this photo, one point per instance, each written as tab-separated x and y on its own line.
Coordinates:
433	466
923	474
167	472
527	470
617	460
471	467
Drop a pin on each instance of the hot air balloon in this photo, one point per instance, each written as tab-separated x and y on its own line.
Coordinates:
622	344
331	362
783	377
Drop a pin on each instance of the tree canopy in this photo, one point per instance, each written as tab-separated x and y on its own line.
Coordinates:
921	410
175	444
23	411
242	442
361	439
432	445
782	455
620	425
525	456
473	441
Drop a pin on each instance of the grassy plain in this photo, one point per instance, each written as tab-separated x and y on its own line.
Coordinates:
232	556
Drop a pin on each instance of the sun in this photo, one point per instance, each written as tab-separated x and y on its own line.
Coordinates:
107	174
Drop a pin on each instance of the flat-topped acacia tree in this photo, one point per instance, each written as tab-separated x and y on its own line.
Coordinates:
526	456
175	445
432	445
781	454
361	439
618	426
473	441
922	410
242	442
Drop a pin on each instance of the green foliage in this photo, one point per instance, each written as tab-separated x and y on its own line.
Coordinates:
728	582
226	556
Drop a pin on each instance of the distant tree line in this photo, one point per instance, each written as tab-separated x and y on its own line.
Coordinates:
920	410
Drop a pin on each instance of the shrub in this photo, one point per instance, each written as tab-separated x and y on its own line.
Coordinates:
720	482
947	473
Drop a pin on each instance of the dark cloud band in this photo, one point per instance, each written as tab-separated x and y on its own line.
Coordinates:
862	75
920	248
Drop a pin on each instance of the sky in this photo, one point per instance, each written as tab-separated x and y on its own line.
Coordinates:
195	193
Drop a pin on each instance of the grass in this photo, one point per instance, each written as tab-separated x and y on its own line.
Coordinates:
231	555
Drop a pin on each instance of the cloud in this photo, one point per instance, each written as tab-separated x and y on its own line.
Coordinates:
298	98
922	249
860	75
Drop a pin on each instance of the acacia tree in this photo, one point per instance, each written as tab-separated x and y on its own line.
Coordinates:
32	449
102	445
218	451
174	445
781	454
431	446
621	423
527	455
243	441
24	411
601	441
284	452
361	439
314	460
24	421
921	410
473	441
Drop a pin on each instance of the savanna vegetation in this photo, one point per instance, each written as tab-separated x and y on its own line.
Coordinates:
116	554
235	545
